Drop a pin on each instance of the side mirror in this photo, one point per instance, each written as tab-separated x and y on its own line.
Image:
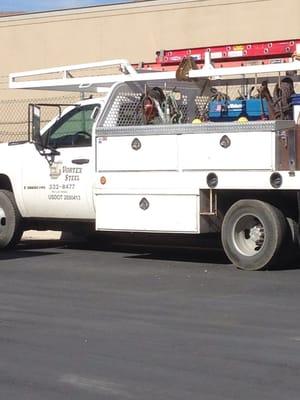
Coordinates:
36	124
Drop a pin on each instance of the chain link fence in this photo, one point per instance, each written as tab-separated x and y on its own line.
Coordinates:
14	115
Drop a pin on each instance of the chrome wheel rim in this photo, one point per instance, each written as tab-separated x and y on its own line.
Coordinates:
248	235
2	220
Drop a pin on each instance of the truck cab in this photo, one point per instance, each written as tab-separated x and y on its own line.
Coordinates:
50	178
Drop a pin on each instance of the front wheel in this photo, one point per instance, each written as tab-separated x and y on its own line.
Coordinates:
253	233
10	220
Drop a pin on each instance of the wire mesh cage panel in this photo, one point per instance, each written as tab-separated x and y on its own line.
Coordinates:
184	102
175	102
125	110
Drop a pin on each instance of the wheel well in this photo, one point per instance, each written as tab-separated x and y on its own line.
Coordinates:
5	183
286	201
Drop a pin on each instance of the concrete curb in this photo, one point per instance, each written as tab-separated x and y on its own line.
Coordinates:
41	235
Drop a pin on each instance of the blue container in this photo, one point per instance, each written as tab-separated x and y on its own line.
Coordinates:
295	99
231	110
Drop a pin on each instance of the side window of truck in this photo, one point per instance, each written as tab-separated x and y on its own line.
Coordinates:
74	129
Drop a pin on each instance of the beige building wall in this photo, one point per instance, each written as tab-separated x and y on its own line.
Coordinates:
136	31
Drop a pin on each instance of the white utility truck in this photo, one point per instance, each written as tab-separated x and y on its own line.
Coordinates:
160	152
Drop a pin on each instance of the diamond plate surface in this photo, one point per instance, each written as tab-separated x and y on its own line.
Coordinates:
207	127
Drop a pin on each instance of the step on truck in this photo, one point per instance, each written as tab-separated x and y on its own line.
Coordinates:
188	151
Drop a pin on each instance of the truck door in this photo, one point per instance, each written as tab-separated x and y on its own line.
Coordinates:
60	186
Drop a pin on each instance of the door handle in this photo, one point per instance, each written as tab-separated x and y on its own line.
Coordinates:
81	161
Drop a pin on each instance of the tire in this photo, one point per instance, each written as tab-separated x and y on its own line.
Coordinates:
10	221
253	233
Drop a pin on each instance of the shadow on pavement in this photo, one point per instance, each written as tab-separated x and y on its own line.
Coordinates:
199	251
16	254
30	248
199	256
194	248
185	248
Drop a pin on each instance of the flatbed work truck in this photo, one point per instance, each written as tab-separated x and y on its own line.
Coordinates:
149	154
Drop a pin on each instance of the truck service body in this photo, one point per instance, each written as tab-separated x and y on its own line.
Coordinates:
124	161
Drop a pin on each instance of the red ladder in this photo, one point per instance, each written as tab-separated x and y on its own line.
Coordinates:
264	52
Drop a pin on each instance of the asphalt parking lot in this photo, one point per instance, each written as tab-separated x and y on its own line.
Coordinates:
141	323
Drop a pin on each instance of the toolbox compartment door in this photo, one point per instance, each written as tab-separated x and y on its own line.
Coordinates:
137	153
147	212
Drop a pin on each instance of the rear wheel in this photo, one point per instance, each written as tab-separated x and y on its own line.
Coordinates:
253	233
10	220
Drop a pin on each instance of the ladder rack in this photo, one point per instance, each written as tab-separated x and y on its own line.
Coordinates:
64	79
